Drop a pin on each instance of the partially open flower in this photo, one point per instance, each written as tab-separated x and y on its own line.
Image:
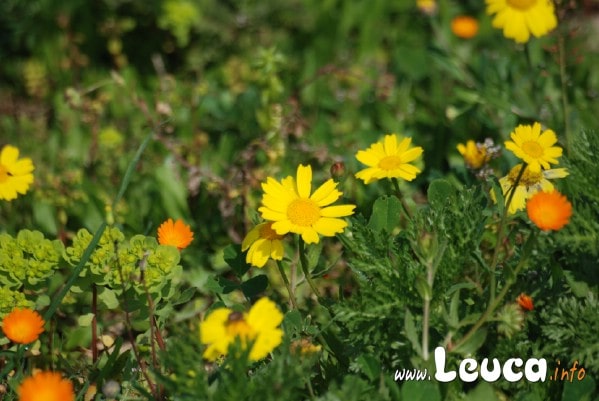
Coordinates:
525	302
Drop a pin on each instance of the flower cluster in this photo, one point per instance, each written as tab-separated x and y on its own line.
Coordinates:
27	259
11	299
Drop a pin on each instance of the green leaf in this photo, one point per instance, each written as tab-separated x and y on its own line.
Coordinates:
420	391
473	343
313	255
109	298
579	390
254	286
386	214
292	322
172	190
484	391
85	320
410	329
440	192
236	259
425	290
369	366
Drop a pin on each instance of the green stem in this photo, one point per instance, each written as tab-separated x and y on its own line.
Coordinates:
563	79
287	285
404	205
510	196
509	282
304	264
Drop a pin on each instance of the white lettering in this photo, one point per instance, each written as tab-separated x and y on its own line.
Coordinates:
468	371
493	375
509	373
440	374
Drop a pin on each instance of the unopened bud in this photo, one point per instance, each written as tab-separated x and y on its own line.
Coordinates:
338	170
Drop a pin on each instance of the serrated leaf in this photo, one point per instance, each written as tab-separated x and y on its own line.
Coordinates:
440	193
410	329
369	366
386	214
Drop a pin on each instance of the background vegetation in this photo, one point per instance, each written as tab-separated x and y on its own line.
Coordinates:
229	93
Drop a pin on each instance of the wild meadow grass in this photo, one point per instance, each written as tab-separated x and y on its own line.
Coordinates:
299	200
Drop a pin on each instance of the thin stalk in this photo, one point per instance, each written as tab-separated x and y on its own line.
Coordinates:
304	264
94	323
399	195
287	285
510	196
431	269
563	78
508	284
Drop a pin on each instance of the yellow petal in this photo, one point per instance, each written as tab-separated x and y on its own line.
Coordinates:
304	181
337	211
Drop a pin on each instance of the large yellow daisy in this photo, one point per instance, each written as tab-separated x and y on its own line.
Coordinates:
263	243
475	154
292	207
389	158
260	327
534	147
520	18
530	183
15	174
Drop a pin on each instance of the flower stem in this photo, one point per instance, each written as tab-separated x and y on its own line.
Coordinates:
563	80
286	281
497	300
304	264
492	268
404	205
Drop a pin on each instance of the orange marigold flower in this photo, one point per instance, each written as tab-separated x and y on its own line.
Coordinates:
525	302
464	26
46	386
175	233
23	326
549	210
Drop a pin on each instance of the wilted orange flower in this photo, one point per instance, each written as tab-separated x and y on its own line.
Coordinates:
525	302
175	233
549	210
464	26
46	386
23	326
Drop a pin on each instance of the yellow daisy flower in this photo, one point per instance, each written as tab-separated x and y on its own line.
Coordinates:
389	158
474	155
520	18
263	243
15	174
260	327
534	147
530	183
46	386
293	207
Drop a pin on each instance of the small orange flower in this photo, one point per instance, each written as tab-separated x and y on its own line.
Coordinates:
464	26
549	210
175	233
525	302
23	326
46	386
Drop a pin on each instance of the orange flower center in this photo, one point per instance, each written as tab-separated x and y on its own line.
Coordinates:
522	4
4	174
303	212
390	162
268	233
238	327
528	178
